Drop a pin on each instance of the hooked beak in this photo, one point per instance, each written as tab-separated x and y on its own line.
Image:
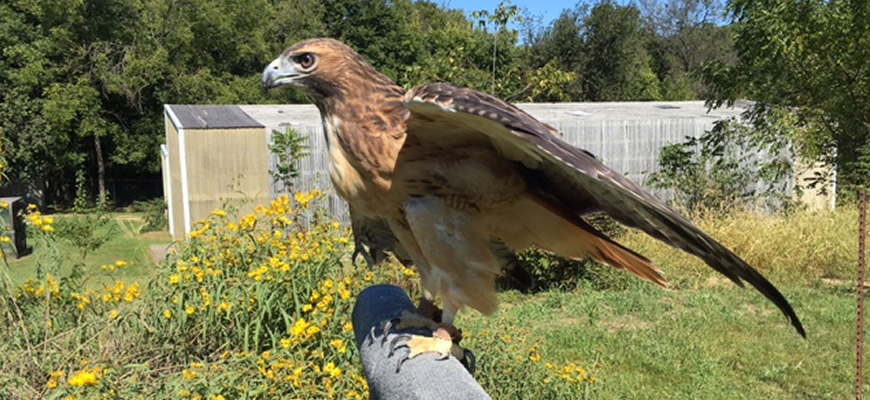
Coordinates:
280	72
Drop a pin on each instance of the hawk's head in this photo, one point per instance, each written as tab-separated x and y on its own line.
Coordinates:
324	68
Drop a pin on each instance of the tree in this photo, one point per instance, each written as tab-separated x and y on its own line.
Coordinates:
560	48
504	14
684	36
805	63
617	65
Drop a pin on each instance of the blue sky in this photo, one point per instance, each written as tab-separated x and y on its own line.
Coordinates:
548	10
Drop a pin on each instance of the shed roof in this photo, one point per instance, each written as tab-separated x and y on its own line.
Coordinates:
307	114
186	116
239	116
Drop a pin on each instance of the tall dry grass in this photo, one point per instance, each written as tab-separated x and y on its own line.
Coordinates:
798	248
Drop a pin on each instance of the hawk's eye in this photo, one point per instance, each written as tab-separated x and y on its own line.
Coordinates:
305	60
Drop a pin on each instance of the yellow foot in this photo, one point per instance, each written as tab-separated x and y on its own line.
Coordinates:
443	347
443	342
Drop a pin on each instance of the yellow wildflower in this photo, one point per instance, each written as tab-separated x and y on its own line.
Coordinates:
339	345
299	327
167	314
85	377
331	370
132	292
343	292
5	239
188	374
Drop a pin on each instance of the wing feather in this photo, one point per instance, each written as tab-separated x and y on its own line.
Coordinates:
575	178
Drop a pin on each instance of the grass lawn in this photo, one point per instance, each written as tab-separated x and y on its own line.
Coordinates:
126	243
718	342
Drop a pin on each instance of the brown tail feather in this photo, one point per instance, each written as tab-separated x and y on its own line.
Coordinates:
562	232
615	255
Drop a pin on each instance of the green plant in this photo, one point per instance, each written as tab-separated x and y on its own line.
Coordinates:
288	147
154	211
86	233
726	167
507	352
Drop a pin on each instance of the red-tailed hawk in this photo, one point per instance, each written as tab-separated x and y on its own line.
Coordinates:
455	177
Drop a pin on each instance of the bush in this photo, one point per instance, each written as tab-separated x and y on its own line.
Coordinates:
254	308
154	214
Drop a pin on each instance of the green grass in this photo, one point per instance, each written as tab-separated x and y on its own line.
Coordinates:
716	343
706	338
127	243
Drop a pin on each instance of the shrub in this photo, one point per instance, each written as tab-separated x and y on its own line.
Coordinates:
256	308
154	214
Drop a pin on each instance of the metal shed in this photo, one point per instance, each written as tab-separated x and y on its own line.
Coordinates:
211	148
213	155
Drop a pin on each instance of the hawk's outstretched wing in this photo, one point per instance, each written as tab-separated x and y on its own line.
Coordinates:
571	176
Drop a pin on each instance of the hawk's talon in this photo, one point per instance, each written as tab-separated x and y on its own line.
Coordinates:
359	250
444	348
468	360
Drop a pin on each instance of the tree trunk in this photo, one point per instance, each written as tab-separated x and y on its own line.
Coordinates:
101	172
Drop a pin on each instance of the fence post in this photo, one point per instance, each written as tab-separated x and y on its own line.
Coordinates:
859	346
422	378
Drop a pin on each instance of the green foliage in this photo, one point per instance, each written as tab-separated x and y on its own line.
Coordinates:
510	353
45	309
288	147
808	58
154	214
683	37
618	66
730	166
87	233
261	302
